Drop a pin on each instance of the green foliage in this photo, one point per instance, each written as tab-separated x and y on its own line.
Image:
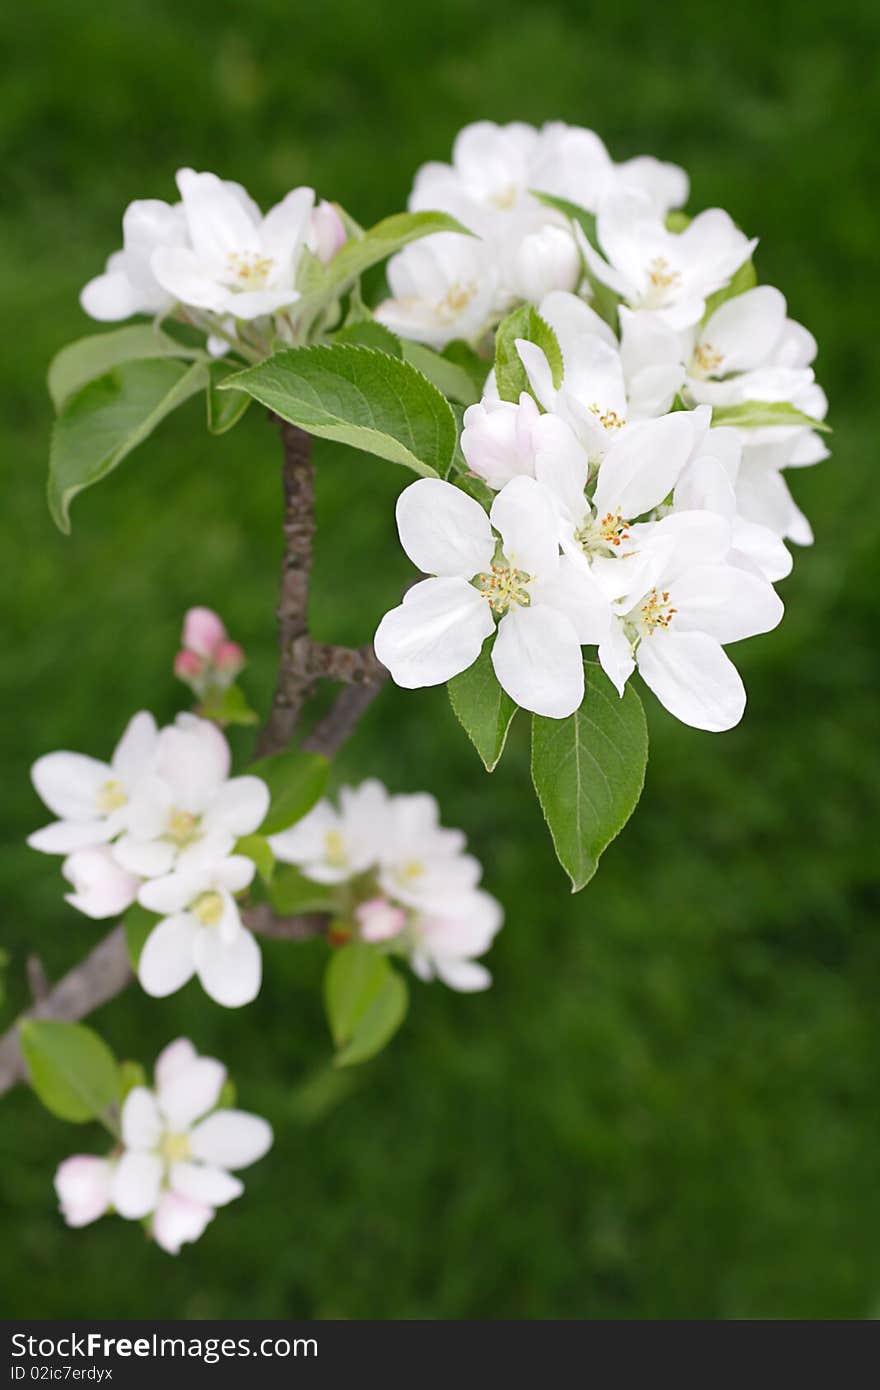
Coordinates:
131	1074
752	415
584	219
296	780
454	376
369	333
109	417
228	706
88	358
510	374
257	848
360	397
224	408
291	892
483	709
743	279
137	924
366	1002
589	771
71	1068
377	244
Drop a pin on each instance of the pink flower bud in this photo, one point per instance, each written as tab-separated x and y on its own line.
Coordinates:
83	1187
327	233
228	658
379	920
203	631
188	666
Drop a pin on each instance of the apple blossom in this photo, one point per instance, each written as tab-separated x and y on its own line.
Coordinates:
443	944
101	887
651	268
544	261
333	846
207	659
442	288
83	1185
128	285
92	799
544	606
237	261
201	934
188	813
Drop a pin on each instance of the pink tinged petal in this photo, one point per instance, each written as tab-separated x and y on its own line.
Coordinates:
727	603
82	1184
327	233
136	1183
231	1139
379	920
203	630
111	297
616	658
69	784
172	1060
442	530
238	808
140	1120
179	1221
524	515
101	888
537	659
65	836
693	678
436	632
642	467
167	960
191	1092
230	971
466	976
201	1182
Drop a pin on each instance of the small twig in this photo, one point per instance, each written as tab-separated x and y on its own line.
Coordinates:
339	723
38	980
262	920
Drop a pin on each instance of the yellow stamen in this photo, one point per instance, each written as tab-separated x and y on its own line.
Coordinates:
503	585
182	827
175	1148
208	907
111	795
656	611
250	270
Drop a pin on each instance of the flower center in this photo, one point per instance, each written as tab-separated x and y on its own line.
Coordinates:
655	611
334	848
608	419
706	359
182	827
661	278
504	198
111	795
602	535
455	301
248	270
504	585
413	868
175	1148
208	908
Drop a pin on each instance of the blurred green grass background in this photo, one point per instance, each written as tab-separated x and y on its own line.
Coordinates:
667	1106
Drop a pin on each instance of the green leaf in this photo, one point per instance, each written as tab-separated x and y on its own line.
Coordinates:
745	279
257	848
574	212
72	1070
296	780
369	333
81	362
228	1095
602	298
291	892
366	1002
454	380
225	408
588	771
378	242
510	374
360	397
131	1074
228	706
757	414
138	923
483	709
107	419
677	221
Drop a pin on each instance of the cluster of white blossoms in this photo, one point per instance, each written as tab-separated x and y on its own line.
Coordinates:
158	824
405	881
623	519
214	257
177	1147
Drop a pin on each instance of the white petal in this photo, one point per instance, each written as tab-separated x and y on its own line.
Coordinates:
231	1139
436	632
167	960
69	784
574	592
616	658
239	807
219	220
691	675
442	530
136	1184
285	226
235	873
537	659
745	329
147	858
111	297
538	371
65	836
101	888
172	1060
201	1182
523	514
140	1119
179	1221
135	750
173	892
191	1092
82	1184
642	467
467	976
230	972
184	276
728	603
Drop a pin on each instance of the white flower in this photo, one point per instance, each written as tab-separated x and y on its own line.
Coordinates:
683	604
501	440
544	261
748	349
422	864
177	1156
379	920
83	1184
442	288
545	605
762	494
91	798
201	934
187	812
128	285
332	846
238	262
651	268
101	887
444	943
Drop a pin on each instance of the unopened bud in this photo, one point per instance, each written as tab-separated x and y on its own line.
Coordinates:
327	233
379	920
228	658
